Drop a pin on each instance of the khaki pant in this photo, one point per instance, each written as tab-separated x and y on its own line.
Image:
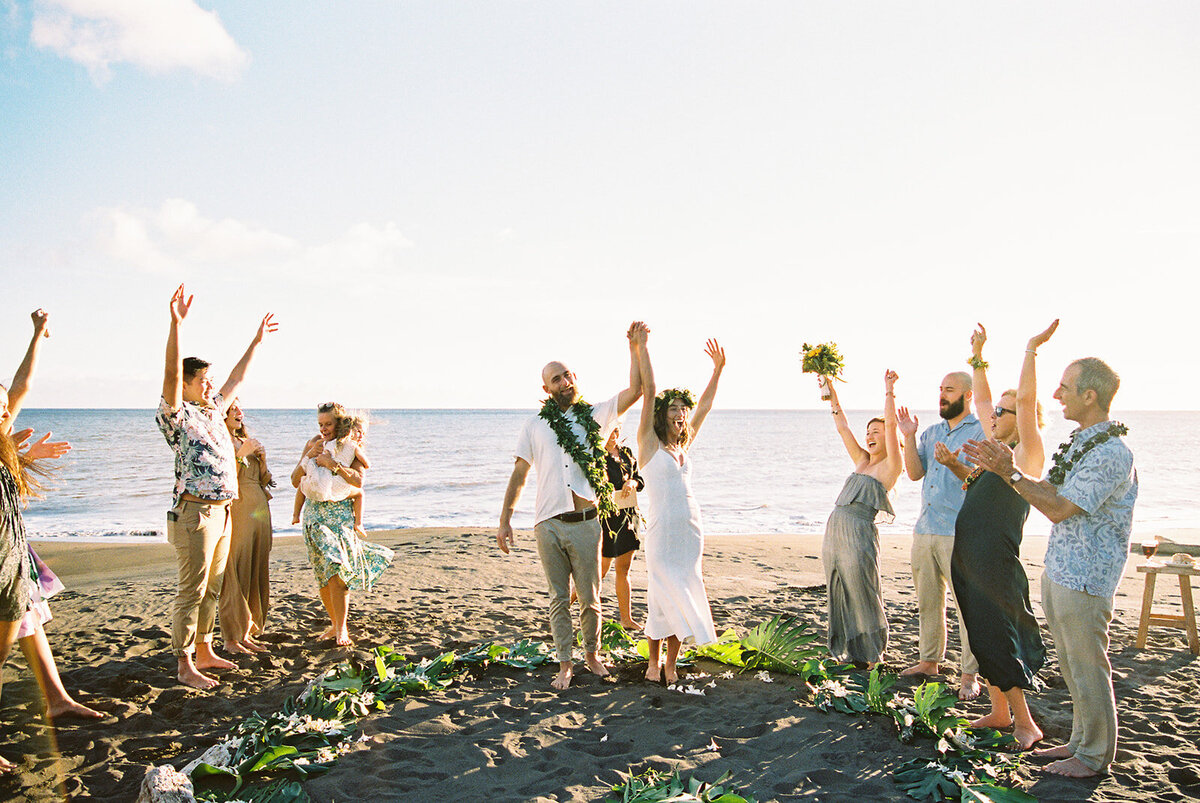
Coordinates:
1079	623
571	550
200	535
931	576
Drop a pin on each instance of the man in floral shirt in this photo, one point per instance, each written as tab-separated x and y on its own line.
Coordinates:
1089	494
192	419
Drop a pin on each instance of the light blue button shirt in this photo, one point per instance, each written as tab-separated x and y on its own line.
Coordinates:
941	492
1088	551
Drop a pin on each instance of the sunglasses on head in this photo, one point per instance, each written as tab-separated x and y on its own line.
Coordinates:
999	411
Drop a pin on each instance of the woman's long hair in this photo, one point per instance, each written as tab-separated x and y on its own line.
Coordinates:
662	403
25	472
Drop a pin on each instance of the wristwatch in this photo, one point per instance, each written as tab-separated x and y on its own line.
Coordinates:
1016	475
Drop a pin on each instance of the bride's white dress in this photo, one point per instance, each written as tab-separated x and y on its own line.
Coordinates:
676	600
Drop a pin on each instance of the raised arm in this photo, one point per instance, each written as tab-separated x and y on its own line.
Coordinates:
646	437
717	354
173	371
238	374
981	390
23	378
1031	452
853	448
629	395
891	427
912	460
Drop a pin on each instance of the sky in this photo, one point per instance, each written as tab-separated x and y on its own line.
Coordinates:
436	198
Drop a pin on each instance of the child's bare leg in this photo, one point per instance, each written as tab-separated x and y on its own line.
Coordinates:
41	660
297	507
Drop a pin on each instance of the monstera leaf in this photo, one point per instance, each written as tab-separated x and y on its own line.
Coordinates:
782	644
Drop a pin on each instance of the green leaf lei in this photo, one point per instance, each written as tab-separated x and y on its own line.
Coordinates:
1058	472
590	458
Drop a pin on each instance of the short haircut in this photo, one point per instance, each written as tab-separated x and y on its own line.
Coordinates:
962	376
193	366
1094	374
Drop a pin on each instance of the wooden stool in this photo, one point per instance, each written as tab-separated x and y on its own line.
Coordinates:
1187	621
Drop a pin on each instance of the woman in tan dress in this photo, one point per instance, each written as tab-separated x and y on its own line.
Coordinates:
245	594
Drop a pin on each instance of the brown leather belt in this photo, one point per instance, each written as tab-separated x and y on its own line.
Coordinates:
577	516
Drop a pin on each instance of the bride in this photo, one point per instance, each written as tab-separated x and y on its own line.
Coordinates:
676	600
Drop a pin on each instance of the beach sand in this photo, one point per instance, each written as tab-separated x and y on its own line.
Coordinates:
506	735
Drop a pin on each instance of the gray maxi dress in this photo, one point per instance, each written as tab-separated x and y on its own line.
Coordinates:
858	630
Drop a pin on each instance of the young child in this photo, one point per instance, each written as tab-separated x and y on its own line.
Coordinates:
322	485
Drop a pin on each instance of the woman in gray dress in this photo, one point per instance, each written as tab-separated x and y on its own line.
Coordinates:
858	630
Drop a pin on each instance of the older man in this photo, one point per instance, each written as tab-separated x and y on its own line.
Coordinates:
192	419
565	444
1088	493
933	536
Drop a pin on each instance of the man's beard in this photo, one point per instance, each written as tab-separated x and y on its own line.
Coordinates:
565	398
953	409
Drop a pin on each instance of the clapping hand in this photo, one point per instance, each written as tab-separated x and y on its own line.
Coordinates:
907	423
1038	339
180	306
991	454
943	454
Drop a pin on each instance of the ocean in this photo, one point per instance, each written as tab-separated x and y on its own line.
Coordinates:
756	471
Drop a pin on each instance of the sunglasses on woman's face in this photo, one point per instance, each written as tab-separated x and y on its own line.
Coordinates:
999	411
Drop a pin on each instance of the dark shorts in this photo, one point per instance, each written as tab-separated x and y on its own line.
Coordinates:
619	536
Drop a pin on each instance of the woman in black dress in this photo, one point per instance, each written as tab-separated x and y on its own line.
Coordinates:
989	580
620	530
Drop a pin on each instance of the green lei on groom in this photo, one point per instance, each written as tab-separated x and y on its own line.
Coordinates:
591	458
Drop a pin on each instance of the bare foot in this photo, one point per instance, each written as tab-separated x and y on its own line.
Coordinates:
968	687
296	520
343	638
670	676
631	625
253	646
1071	768
653	673
6	766
563	679
190	676
996	720
328	633
596	665
1027	737
1060	751
215	662
921	668
70	708
233	646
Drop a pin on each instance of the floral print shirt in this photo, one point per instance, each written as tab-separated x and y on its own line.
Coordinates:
205	461
1088	551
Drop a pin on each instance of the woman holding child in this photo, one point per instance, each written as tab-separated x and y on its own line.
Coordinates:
245	592
330	476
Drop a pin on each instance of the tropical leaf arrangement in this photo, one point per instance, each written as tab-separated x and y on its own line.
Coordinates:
524	654
656	786
823	359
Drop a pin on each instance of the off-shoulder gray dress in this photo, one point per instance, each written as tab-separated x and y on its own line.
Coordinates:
14	551
858	630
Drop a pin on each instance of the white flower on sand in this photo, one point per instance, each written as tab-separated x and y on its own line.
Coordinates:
728	675
713	746
325	755
300	762
686	689
764	676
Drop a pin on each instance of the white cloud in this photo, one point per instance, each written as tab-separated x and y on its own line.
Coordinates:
176	237
157	35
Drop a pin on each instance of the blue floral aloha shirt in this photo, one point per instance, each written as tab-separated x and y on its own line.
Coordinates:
1088	551
205	461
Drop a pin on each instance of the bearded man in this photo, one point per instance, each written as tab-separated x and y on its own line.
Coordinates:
565	443
933	536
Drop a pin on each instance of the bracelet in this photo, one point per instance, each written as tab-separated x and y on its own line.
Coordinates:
1031	351
977	363
834	412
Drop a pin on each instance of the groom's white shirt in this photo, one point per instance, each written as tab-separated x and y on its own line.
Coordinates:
558	475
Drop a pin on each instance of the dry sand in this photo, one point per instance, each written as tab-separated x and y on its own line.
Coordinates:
506	735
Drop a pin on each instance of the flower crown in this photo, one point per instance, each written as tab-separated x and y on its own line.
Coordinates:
663	400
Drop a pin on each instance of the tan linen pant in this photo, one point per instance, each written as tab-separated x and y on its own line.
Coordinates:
200	535
1079	623
931	577
571	550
